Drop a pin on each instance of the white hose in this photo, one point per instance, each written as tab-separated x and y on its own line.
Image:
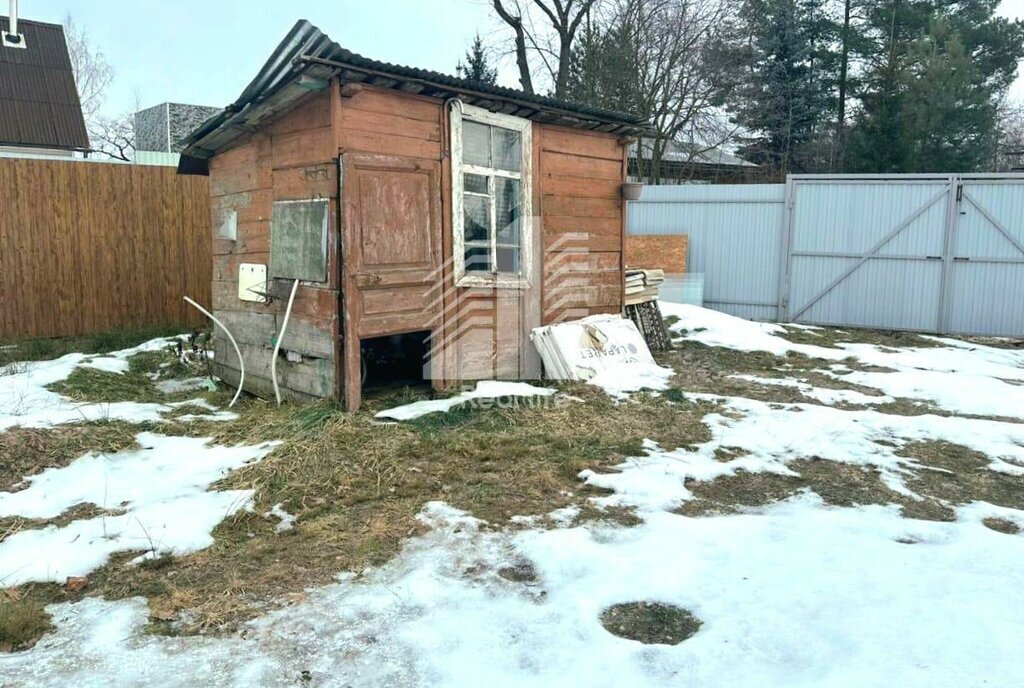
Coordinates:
241	362
277	344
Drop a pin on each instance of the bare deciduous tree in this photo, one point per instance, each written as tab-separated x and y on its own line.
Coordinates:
1009	155
677	84
92	73
114	136
547	28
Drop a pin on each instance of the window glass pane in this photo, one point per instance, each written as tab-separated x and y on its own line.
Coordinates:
508	204
476	143
478	259
506	149
508	259
477	214
474	183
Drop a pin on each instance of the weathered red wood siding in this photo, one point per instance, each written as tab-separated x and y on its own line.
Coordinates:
289	159
481	332
580	176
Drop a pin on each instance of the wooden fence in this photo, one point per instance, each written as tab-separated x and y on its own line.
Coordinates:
87	247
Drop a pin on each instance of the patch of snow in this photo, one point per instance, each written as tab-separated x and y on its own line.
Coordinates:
797	595
106	364
161	488
485	389
769	436
714	328
189	384
975	512
117	361
285	522
959	377
958	392
619	383
25	401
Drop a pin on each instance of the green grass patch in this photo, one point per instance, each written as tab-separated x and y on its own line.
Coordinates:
101	343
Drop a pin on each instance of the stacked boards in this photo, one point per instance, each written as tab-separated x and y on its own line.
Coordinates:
642	306
642	285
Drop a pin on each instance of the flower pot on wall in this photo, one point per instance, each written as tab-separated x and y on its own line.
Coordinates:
631	191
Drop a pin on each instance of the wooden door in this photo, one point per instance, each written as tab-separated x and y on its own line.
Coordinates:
391	252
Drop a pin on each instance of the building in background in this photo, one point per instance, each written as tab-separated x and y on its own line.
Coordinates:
40	113
681	164
160	129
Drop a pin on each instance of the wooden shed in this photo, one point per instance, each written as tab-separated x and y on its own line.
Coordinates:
429	222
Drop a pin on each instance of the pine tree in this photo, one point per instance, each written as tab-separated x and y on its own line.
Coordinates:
605	69
949	110
783	98
934	74
475	66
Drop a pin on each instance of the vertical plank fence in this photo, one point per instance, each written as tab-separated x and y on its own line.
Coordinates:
87	247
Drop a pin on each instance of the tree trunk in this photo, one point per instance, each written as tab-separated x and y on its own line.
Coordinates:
516	23
843	71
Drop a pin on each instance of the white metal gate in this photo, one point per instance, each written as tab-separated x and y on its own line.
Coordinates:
934	253
928	252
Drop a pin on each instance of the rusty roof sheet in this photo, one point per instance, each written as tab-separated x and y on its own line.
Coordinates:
38	100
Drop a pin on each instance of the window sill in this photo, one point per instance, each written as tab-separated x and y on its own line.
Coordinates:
493	281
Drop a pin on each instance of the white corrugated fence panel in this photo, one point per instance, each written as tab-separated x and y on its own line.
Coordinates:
987	271
929	252
890	233
735	239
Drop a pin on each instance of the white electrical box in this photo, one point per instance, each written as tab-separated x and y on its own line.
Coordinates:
252	282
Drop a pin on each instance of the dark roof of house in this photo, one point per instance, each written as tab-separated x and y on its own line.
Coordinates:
38	100
307	55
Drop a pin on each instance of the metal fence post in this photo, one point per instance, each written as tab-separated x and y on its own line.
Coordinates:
786	250
949	237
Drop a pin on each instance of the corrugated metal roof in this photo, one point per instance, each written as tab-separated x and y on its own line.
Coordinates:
39	103
306	50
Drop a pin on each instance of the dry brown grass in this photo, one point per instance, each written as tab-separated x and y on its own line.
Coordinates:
28	451
356	487
23	621
1001	525
830	337
961	475
651	623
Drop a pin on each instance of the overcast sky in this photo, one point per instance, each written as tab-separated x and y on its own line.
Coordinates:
206	51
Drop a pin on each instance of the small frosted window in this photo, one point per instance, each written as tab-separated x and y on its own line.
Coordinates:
298	240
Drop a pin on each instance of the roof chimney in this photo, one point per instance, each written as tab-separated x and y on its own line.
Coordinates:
11	38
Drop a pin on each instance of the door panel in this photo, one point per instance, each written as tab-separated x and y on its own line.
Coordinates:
392	241
391	250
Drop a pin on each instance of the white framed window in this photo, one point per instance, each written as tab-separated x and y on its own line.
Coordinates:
492	209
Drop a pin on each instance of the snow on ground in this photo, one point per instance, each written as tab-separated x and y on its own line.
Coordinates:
620	382
771	435
485	389
25	401
798	595
158	493
957	376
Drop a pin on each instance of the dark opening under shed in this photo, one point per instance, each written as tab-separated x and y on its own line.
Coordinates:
402	201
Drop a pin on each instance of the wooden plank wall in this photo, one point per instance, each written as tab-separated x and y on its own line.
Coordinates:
580	178
289	159
87	247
